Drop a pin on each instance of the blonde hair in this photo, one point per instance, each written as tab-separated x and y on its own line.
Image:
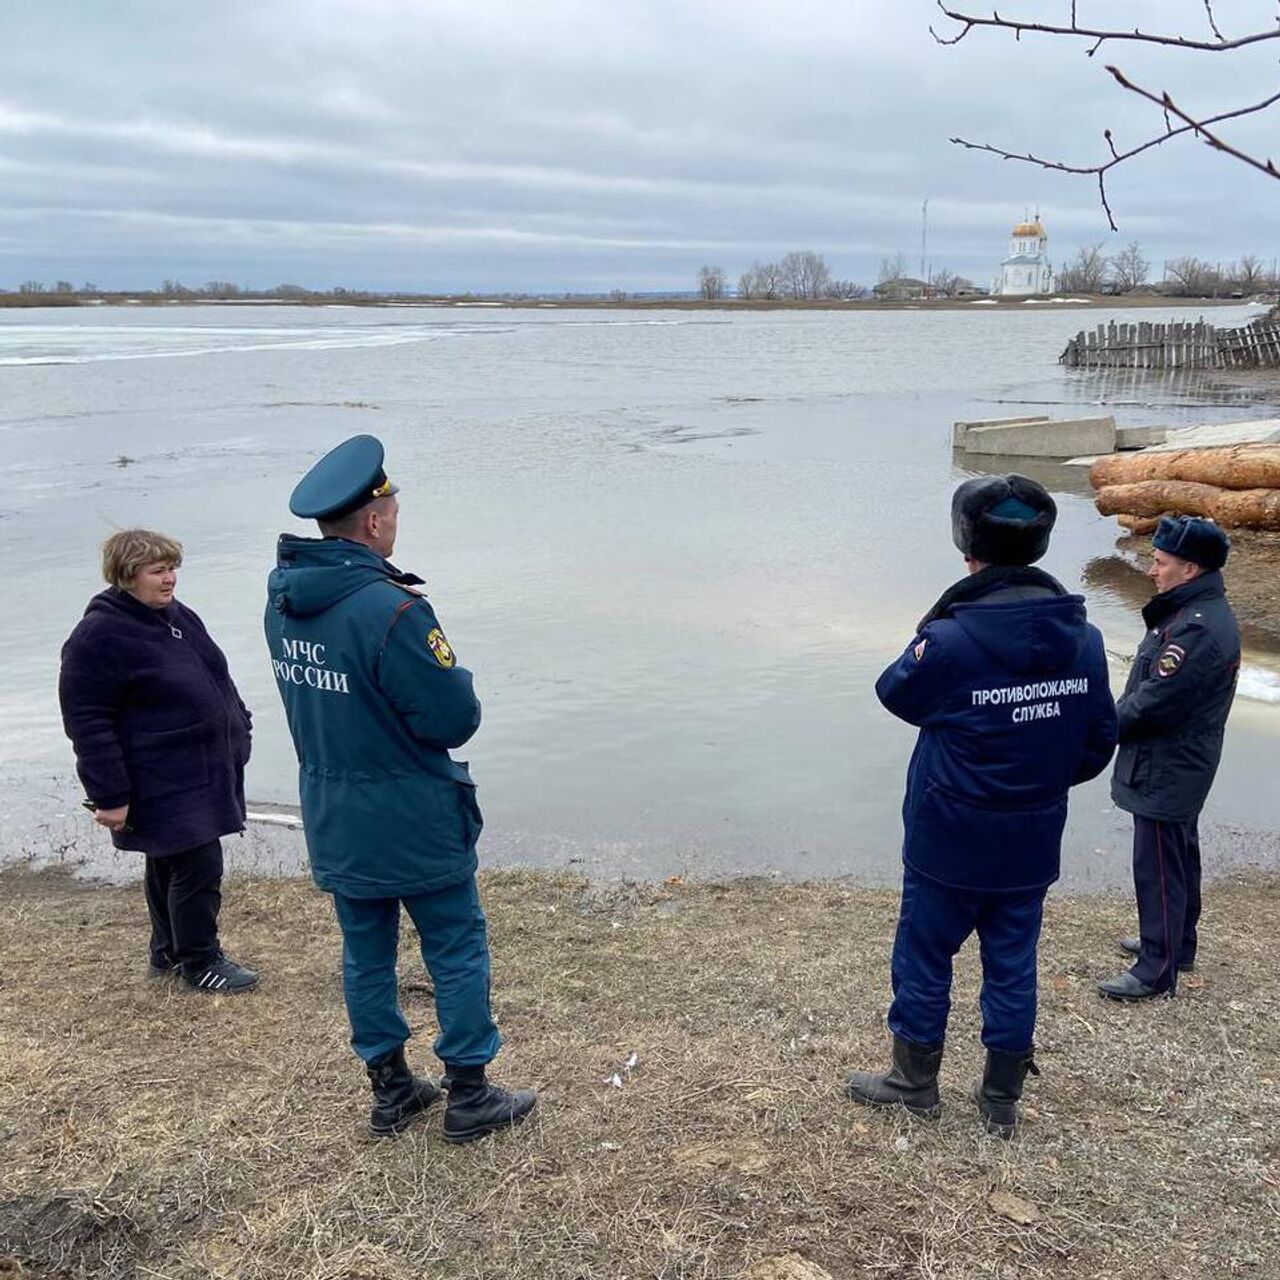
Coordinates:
124	553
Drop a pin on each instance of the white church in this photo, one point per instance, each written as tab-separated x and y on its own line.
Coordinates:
1026	271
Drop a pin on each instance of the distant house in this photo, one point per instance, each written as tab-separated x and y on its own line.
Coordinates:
1026	270
967	289
902	289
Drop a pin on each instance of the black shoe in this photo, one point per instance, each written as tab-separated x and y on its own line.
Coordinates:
1132	946
398	1095
911	1082
162	967
997	1093
1127	987
477	1106
221	977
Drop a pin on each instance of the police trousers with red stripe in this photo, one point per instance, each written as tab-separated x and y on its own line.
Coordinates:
1166	880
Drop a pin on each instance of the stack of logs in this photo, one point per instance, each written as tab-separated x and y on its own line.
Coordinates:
1237	486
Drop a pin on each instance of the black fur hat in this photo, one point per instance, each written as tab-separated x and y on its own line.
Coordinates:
1002	519
1192	538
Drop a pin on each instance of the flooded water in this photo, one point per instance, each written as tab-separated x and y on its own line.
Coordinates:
675	548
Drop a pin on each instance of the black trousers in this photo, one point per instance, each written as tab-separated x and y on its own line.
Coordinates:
1166	879
184	893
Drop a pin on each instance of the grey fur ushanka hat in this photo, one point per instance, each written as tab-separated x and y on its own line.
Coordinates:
1002	519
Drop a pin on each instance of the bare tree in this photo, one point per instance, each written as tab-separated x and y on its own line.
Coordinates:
761	280
1129	269
944	283
1087	272
1176	120
1192	278
891	269
804	274
32	286
1249	274
711	283
845	290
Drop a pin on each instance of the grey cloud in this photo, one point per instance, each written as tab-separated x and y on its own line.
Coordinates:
566	145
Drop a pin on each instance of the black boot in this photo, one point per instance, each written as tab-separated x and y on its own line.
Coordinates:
477	1107
911	1082
398	1095
997	1096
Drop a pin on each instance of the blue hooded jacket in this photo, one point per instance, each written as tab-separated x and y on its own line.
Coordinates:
1011	694
375	699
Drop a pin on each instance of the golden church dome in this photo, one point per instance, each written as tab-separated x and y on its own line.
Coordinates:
1035	228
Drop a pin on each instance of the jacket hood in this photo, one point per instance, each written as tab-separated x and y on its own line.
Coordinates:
1028	637
313	574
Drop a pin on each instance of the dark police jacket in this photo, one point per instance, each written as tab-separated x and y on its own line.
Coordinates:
1174	708
156	723
374	699
1008	684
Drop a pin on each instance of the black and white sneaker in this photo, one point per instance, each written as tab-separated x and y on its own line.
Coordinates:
221	977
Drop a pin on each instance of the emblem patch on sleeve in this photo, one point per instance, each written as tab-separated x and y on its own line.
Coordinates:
919	650
440	648
1170	659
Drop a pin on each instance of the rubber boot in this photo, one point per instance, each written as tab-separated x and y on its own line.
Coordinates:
997	1096
478	1107
398	1095
911	1082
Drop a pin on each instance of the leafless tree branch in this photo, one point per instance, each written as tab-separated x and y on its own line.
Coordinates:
1199	127
1213	25
1191	125
968	21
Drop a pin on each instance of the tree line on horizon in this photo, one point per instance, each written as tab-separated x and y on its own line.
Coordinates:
805	275
802	275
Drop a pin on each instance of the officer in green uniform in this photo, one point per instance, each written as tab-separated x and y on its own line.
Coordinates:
375	699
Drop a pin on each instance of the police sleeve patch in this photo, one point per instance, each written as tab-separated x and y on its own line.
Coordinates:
1170	660
440	648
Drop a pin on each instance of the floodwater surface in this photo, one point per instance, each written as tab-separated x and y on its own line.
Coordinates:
675	548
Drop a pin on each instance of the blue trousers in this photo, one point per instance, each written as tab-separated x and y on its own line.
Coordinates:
933	923
455	949
1166	881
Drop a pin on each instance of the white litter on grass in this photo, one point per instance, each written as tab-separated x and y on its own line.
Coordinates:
615	1080
985	302
275	819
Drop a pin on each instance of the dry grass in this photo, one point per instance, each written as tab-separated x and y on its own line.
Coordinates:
152	1133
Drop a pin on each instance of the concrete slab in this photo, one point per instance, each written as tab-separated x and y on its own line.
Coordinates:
960	429
1140	437
1260	431
1065	438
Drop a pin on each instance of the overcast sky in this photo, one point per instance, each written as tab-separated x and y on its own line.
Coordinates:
587	144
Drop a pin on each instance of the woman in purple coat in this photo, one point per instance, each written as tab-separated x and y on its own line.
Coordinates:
161	739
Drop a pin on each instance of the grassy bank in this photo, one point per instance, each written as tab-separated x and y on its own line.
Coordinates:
152	1133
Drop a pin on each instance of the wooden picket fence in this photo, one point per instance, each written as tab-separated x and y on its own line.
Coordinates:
1147	345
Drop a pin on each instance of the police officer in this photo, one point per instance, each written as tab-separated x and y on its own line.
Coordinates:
375	699
1172	715
1007	682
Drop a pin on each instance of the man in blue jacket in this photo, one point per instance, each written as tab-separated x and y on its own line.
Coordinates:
375	699
1173	713
1007	682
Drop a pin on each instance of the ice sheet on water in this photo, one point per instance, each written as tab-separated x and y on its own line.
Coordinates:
1259	685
